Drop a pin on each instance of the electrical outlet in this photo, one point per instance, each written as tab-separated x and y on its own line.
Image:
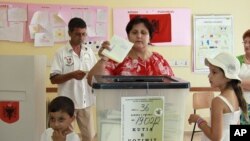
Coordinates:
181	63
178	63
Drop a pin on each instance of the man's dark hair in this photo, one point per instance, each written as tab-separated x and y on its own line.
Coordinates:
62	103
76	23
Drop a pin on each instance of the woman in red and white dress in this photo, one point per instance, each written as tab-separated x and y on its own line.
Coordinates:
140	60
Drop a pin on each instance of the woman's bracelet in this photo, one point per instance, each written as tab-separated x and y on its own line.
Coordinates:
200	121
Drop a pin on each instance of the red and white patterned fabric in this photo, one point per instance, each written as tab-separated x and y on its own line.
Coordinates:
155	65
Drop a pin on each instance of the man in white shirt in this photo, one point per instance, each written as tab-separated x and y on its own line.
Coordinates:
69	70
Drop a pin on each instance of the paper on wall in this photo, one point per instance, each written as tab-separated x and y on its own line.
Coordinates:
17	14
43	39
3	16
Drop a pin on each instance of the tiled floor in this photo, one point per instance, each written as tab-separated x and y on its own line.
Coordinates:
197	136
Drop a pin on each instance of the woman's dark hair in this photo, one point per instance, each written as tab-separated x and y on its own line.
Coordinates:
235	84
137	20
76	23
62	103
246	34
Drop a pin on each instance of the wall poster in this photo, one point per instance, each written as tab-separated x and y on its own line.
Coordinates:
13	21
212	34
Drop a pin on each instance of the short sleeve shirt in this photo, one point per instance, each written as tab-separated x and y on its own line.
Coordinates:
46	136
65	61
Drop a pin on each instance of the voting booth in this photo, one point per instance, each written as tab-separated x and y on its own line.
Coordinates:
145	108
22	97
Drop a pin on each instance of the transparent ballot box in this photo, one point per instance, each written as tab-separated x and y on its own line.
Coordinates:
140	108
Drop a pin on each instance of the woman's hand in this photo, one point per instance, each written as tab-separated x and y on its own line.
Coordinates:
105	45
193	118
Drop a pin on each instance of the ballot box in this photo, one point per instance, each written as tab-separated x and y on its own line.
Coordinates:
22	97
140	108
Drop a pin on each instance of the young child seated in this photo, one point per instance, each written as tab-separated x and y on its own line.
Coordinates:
61	115
226	108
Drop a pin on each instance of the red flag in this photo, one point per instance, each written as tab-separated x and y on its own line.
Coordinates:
161	24
9	111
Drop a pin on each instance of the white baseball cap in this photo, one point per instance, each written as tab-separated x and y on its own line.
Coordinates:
228	63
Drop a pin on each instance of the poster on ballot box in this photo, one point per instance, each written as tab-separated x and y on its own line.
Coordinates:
142	118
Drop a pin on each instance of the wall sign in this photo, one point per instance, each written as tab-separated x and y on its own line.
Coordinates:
212	34
142	118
